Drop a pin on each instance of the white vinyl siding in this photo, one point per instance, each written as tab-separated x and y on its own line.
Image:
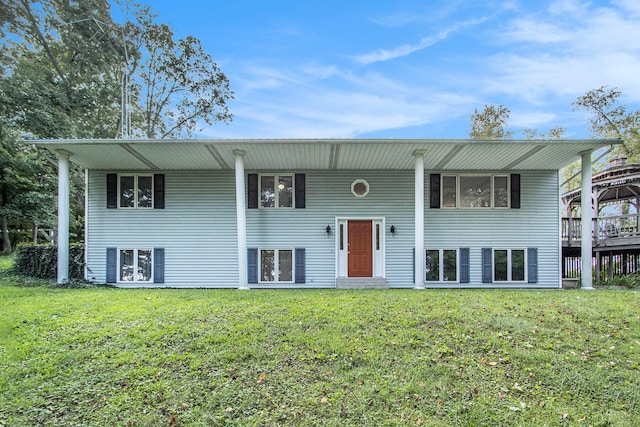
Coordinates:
534	225
197	227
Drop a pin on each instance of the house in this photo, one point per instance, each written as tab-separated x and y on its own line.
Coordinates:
321	213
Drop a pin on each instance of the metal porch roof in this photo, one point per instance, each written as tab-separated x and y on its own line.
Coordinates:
321	154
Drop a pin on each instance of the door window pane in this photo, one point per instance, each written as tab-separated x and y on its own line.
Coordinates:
285	266
126	265
267	266
500	192
517	265
144	265
285	191
145	191
449	191
450	265
127	193
267	191
500	265
433	265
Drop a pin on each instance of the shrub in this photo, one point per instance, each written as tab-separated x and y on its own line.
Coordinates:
41	261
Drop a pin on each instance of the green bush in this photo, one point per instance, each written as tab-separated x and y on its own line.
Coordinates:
41	261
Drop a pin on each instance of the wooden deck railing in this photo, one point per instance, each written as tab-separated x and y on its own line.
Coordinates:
610	227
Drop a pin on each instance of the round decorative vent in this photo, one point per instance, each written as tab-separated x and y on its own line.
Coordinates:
360	188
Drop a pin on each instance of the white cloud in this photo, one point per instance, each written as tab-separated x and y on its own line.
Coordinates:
408	49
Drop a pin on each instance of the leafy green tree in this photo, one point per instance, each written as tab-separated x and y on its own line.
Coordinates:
610	119
64	66
490	123
180	84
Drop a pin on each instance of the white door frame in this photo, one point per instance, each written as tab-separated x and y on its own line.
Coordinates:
378	242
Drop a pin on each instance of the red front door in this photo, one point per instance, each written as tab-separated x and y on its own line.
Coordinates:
360	249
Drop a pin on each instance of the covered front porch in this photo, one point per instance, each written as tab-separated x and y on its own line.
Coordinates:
417	155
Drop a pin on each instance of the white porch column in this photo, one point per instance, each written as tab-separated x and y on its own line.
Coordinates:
587	223
419	221
241	220
63	217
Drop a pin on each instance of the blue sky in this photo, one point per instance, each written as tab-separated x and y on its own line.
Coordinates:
408	68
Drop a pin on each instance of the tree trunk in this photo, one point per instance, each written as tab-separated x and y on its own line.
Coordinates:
6	243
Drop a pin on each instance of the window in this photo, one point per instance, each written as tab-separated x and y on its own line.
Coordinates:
442	265
276	265
475	191
360	188
509	265
135	191
135	265
449	191
276	191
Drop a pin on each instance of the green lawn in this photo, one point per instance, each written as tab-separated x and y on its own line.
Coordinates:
101	356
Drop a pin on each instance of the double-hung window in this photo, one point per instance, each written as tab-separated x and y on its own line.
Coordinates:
442	265
475	191
135	191
276	265
135	265
509	265
276	191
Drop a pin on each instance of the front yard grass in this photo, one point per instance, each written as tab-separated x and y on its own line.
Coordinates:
102	356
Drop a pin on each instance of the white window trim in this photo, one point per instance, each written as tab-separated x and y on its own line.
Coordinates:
276	179
493	176
276	256
353	188
441	265
510	265
135	265
135	189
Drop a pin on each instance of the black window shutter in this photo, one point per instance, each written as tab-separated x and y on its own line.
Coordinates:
434	191
158	191
112	191
532	265
252	265
301	266
252	193
464	265
487	265
158	265
112	265
300	191
515	191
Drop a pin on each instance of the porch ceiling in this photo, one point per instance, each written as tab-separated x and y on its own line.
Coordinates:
322	154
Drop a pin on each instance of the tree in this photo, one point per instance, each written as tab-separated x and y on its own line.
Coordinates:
64	66
612	120
180	83
490	123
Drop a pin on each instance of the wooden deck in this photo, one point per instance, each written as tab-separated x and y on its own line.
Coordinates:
620	231
616	246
